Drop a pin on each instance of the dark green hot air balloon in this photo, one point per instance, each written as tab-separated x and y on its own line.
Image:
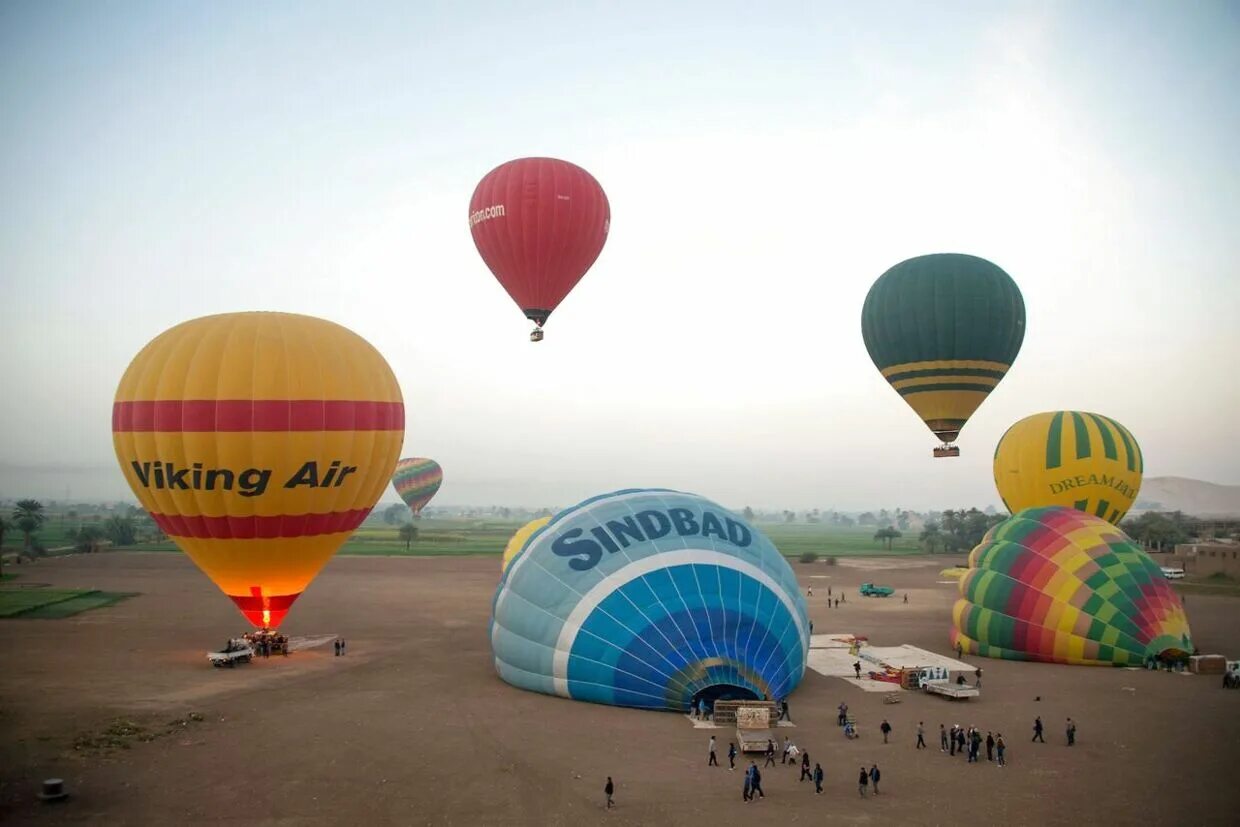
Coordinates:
944	329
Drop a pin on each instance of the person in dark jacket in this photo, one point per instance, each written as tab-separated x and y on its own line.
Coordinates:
942	738
818	779
874	776
731	755
770	753
886	729
921	735
1037	730
863	781
747	792
608	790
990	747
1071	732
756	783
805	773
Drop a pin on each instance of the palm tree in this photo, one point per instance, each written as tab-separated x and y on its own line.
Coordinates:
931	539
87	538
121	530
408	533
887	534
28	517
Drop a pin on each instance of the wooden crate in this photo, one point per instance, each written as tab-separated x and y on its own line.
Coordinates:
1207	664
725	712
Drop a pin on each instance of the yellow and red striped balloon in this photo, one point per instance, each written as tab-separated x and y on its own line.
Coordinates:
258	442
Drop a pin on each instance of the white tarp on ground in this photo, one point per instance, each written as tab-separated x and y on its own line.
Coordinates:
828	655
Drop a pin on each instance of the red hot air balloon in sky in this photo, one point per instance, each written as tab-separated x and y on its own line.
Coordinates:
539	224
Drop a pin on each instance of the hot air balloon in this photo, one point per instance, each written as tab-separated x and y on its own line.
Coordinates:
258	442
944	329
519	539
416	481
1055	584
539	224
1083	460
650	598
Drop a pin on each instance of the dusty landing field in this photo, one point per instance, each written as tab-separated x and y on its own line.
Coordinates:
413	727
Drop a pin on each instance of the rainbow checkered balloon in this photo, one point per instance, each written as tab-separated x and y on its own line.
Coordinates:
1058	585
416	480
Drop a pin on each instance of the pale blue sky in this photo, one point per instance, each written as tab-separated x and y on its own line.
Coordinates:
765	163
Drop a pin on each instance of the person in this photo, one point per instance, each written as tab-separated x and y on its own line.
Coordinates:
990	747
787	748
953	740
977	746
1071	732
959	650
850	730
747	791
942	739
712	761
828	593
960	738
921	735
857	668
906	597
1000	748
342	646
1037	730
863	782
810	592
783	711
818	779
731	755
843	716
770	753
805	767
837	602
756	783
608	790
960	680
874	776
885	728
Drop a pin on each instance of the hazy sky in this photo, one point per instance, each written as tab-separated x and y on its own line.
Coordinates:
765	163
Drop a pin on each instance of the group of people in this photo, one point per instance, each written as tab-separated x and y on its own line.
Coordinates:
969	742
266	643
752	785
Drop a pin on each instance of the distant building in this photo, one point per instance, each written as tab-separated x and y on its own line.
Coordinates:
1205	559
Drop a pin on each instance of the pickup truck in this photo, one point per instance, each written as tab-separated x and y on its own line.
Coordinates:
870	590
232	655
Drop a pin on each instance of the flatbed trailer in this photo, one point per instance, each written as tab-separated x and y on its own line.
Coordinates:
955	691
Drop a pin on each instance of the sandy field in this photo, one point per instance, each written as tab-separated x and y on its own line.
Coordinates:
413	727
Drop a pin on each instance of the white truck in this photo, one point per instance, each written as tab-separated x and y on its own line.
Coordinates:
939	681
237	651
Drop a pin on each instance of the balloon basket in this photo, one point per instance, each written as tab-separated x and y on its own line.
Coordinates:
536	335
946	451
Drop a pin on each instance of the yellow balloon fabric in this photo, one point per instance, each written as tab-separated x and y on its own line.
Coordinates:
517	541
258	442
1074	459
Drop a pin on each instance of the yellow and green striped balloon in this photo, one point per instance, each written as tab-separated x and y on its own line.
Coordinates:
1076	459
944	330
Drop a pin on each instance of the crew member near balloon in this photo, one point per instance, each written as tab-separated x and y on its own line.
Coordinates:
944	330
258	442
539	224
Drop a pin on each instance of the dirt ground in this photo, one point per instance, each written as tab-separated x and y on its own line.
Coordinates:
413	727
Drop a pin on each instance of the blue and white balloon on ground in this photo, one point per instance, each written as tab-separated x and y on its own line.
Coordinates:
650	598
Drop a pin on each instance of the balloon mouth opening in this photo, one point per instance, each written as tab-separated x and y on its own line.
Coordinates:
538	317
724	692
264	611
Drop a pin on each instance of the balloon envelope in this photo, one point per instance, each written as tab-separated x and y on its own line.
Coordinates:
416	480
1071	458
650	598
519	539
258	442
1055	584
944	329
539	224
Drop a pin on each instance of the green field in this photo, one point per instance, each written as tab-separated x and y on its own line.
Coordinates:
460	536
49	604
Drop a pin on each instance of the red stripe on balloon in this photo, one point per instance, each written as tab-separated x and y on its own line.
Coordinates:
280	526
254	604
248	415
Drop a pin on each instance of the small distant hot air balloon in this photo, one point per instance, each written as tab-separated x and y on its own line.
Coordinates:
539	224
416	481
1058	585
1081	460
944	329
518	540
258	442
